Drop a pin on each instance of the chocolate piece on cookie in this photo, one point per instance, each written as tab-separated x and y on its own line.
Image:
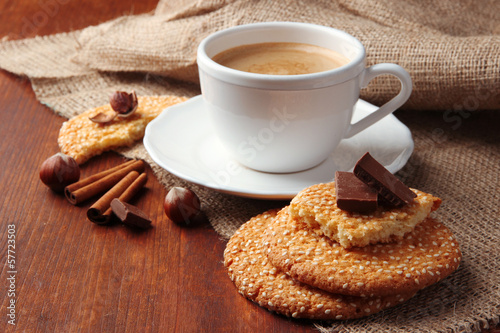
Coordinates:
82	139
425	256
258	280
353	195
388	186
316	206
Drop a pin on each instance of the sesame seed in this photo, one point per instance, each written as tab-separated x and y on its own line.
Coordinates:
338	317
345	286
319	306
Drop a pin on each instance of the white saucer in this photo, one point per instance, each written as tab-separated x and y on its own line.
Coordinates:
182	141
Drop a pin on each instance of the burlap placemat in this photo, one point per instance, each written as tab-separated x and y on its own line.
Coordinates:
449	47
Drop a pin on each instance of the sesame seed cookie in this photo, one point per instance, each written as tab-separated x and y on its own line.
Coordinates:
258	280
82	139
316	206
423	257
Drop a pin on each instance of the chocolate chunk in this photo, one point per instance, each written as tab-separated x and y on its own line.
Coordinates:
130	214
375	175
353	195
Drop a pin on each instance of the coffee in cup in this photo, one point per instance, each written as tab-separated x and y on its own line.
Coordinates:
280	58
287	123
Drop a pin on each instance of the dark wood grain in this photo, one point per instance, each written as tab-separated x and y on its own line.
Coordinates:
75	276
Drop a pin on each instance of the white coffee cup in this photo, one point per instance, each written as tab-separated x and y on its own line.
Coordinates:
288	123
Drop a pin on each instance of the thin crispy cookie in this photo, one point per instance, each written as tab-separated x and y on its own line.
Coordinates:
82	139
423	257
256	279
316	206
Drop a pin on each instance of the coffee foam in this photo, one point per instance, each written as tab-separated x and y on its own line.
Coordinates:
280	58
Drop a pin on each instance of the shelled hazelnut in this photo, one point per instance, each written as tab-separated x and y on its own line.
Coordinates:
123	103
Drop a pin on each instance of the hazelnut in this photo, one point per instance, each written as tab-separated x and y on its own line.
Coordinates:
59	171
123	103
181	205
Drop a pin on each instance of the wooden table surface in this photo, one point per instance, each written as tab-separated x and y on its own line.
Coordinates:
72	275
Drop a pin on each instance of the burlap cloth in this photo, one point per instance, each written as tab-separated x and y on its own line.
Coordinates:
451	49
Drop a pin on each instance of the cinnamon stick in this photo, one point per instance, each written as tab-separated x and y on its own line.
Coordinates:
131	191
95	177
77	193
95	212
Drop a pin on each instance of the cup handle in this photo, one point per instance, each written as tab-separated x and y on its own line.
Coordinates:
406	87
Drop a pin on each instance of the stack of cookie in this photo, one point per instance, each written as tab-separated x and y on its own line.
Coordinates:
314	260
